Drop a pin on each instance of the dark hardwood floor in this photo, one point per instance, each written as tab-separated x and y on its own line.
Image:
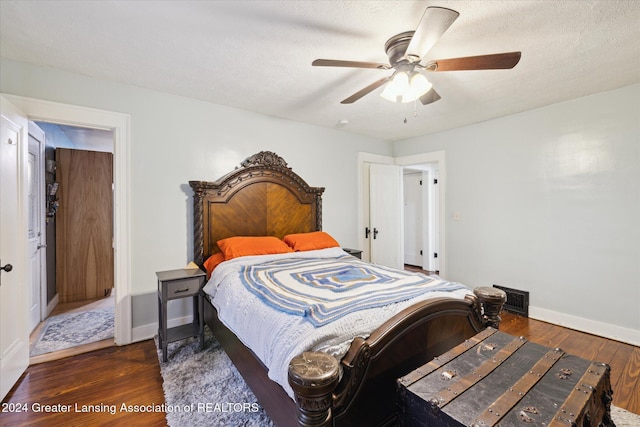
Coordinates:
130	375
102	380
624	359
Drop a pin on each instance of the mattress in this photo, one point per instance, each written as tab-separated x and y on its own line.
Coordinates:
276	336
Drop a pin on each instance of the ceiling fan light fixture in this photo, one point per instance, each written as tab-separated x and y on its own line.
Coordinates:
419	85
398	84
407	57
406	86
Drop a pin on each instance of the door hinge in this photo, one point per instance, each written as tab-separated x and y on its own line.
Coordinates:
435	254
420	251
435	180
420	182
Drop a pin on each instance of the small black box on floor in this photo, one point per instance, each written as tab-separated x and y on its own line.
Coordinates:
497	379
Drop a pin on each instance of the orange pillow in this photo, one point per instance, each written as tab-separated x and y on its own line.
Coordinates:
238	246
310	241
212	262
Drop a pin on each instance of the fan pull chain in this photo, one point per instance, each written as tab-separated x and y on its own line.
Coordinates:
415	111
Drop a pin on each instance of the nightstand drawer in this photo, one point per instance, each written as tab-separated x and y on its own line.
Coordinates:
182	288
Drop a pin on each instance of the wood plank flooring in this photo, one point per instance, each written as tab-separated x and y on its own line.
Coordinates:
104	378
624	359
131	375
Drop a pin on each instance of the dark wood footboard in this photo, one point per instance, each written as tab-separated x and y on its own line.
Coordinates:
365	394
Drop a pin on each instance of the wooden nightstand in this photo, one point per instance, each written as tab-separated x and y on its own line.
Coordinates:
355	252
174	284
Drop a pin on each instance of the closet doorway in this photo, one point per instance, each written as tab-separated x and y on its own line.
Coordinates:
433	221
432	168
78	280
421	220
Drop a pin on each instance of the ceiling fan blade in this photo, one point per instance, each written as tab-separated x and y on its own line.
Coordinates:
362	92
429	97
434	22
498	61
352	64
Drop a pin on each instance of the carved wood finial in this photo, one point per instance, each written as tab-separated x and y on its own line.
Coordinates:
313	376
265	158
491	301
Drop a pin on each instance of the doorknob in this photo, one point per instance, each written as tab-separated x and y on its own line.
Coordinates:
7	268
366	232
41	246
375	232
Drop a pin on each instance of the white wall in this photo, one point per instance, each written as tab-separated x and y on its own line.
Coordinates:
549	202
176	139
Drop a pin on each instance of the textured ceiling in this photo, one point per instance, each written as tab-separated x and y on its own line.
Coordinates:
256	55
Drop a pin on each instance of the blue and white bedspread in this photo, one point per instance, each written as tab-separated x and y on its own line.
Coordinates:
276	336
323	290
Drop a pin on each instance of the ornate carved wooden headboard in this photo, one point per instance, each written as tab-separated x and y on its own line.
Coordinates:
262	197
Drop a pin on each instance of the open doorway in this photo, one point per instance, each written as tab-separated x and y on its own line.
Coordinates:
434	163
420	212
16	112
77	278
432	166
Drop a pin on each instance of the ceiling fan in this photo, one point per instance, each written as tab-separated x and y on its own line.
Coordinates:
407	51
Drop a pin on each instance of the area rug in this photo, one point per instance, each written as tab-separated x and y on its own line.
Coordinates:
203	388
73	329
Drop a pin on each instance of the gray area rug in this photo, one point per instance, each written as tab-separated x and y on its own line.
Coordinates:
73	329
203	388
623	418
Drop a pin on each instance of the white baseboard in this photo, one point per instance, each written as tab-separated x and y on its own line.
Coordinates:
606	330
146	332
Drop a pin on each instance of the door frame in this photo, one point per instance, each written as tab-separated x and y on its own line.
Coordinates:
37	134
431	158
119	124
412	160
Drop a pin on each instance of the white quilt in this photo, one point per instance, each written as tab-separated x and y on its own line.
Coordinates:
277	337
324	289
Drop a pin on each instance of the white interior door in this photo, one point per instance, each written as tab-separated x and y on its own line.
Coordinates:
385	215
436	210
413	218
427	222
14	335
35	226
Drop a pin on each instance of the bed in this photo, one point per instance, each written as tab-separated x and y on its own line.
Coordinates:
264	197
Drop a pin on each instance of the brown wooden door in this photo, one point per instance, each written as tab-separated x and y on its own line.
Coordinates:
84	252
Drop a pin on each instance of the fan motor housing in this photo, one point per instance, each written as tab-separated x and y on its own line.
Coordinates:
397	45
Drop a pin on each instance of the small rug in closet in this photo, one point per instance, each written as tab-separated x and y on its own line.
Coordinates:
73	329
211	387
